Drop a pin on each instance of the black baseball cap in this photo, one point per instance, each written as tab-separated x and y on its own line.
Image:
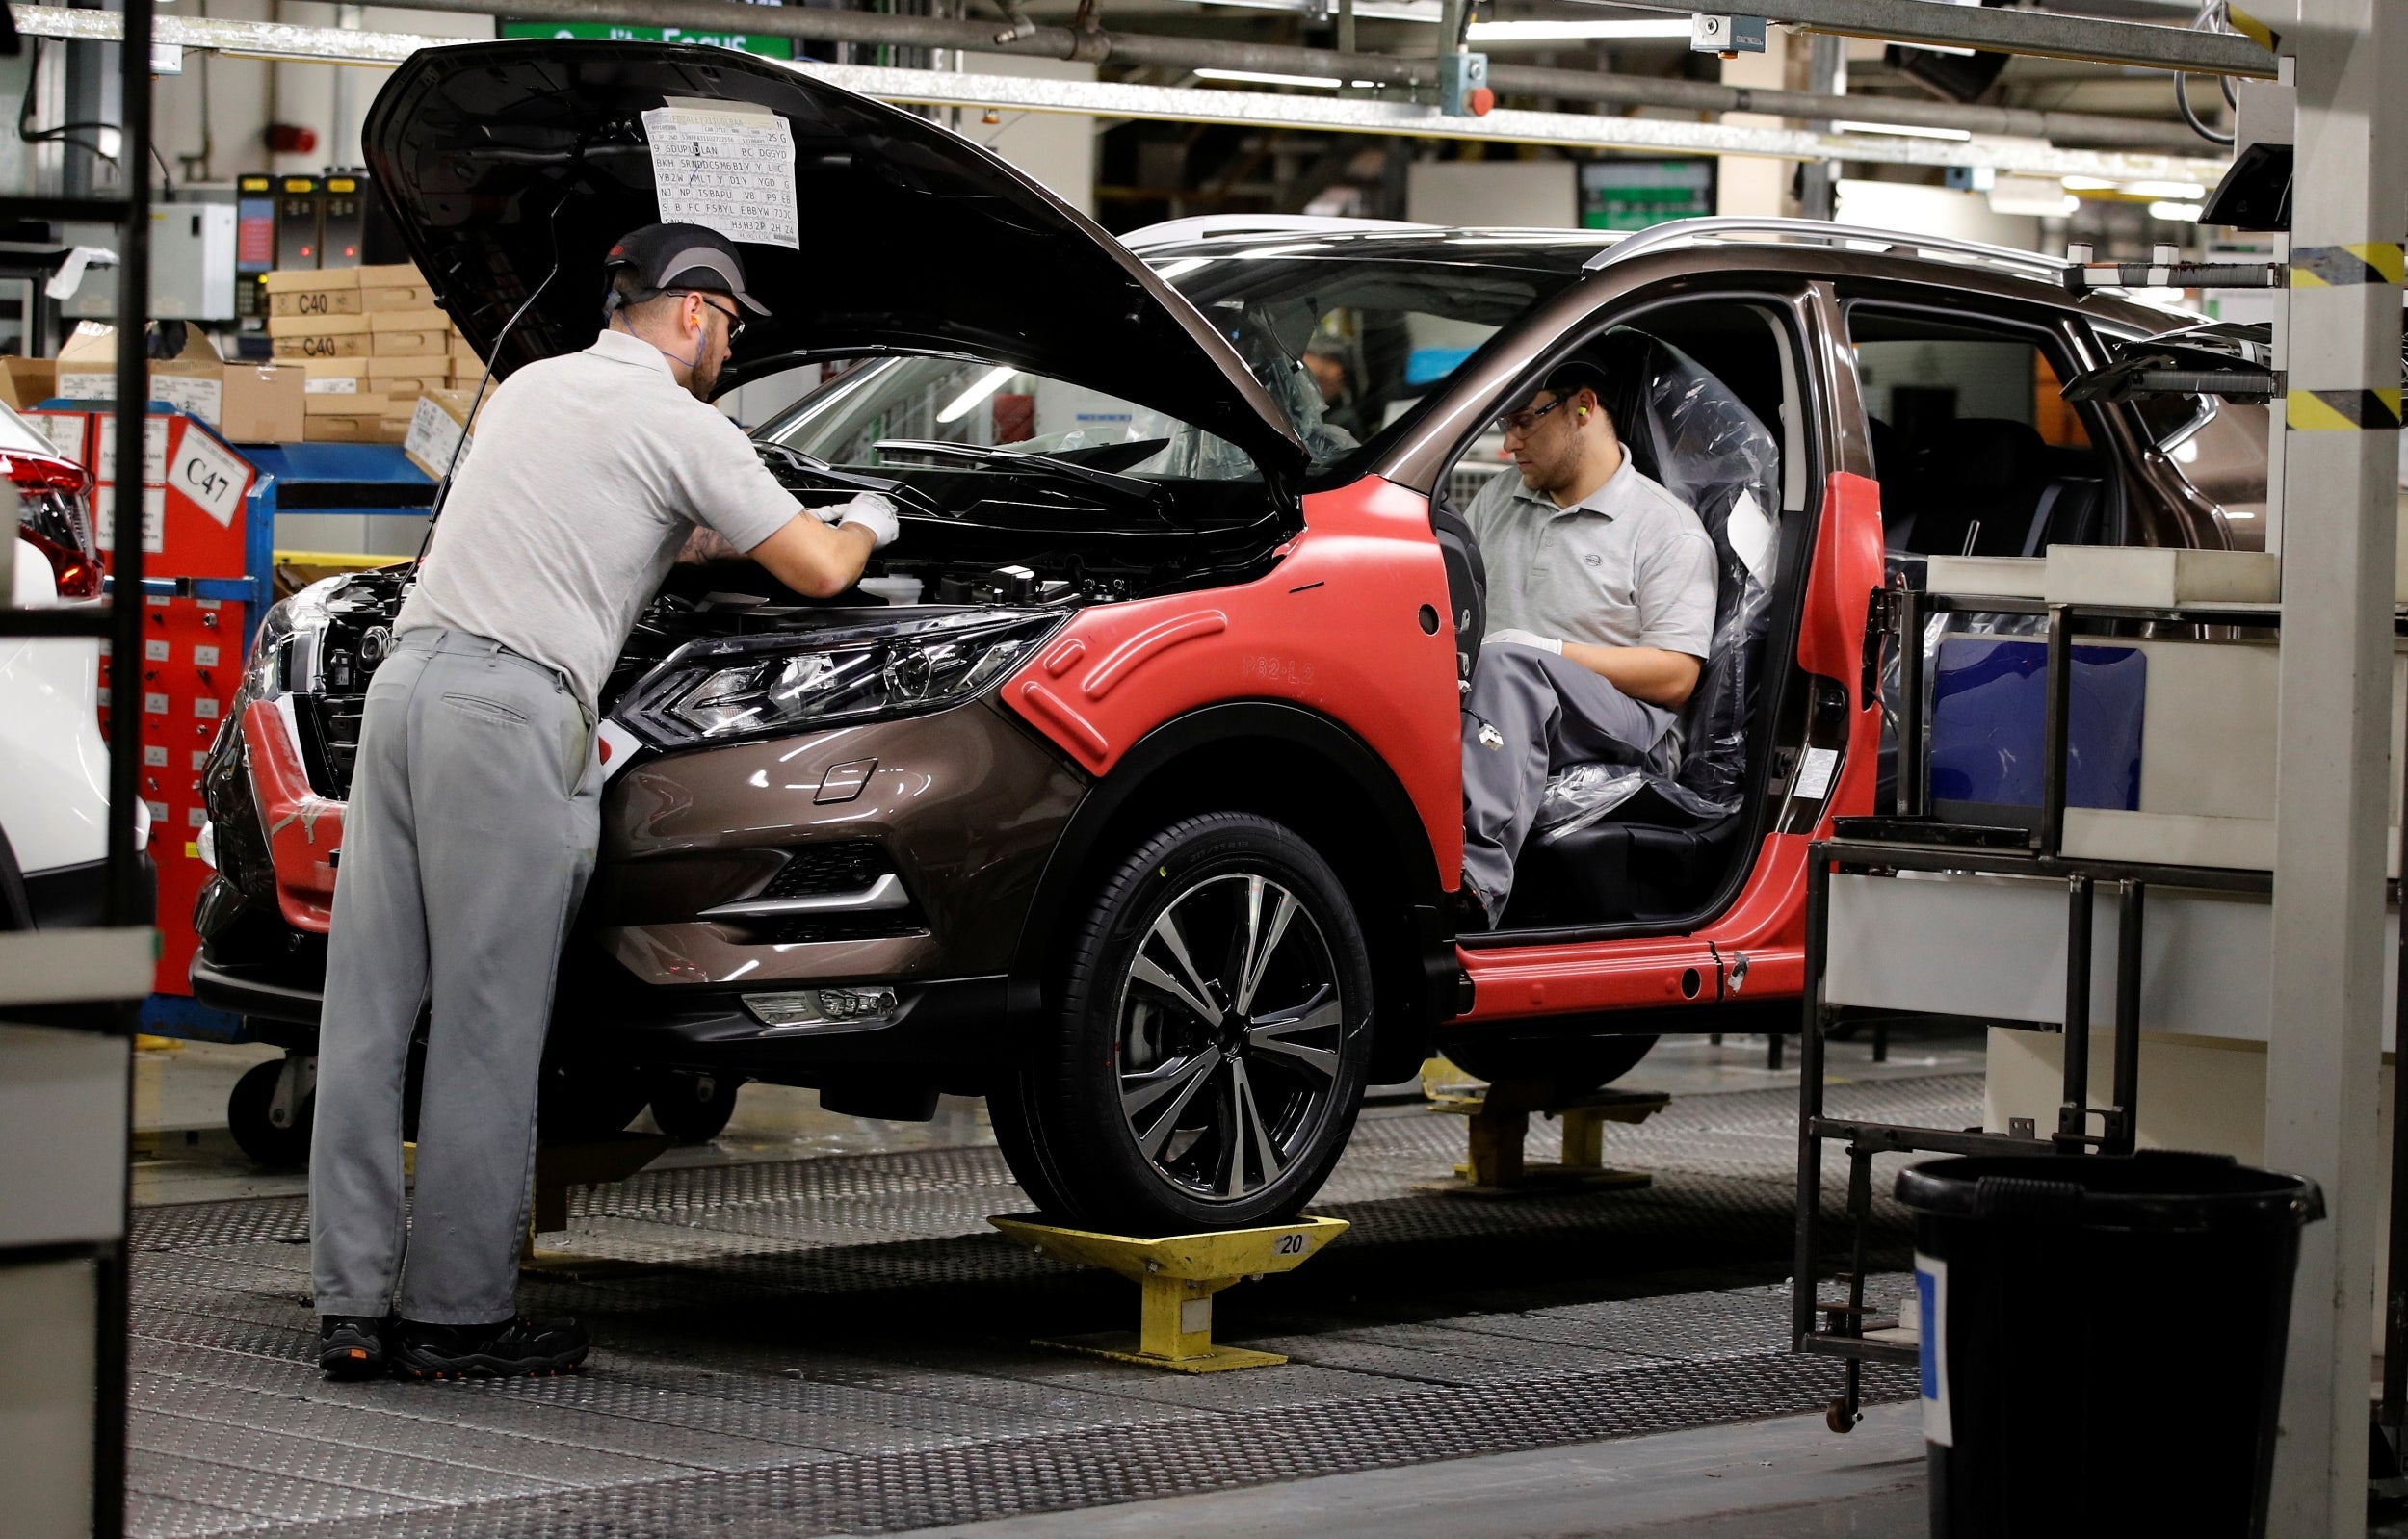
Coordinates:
1569	379
675	257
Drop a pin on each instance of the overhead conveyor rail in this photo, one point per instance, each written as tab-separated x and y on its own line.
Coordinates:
2011	141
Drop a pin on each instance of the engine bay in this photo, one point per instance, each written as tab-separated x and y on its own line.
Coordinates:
978	536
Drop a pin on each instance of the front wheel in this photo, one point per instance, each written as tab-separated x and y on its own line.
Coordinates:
1207	1057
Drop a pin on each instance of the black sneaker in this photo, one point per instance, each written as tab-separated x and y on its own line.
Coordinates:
515	1349
351	1346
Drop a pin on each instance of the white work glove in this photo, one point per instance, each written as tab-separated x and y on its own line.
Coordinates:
870	509
1523	638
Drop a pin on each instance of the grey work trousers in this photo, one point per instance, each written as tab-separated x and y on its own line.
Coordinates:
466	847
1532	712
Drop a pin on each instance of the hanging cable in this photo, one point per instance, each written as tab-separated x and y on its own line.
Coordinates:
2211	18
443	488
2182	101
57	132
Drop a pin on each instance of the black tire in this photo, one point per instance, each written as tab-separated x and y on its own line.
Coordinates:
1207	1058
694	1107
246	1118
1574	1065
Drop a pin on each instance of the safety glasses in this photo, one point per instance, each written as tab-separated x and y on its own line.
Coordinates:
1518	424
735	322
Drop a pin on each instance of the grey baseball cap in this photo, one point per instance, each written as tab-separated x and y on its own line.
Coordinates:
671	257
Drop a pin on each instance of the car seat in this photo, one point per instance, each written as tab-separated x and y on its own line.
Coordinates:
1991	486
1616	842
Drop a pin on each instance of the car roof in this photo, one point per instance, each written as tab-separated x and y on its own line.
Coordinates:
1787	245
1551	250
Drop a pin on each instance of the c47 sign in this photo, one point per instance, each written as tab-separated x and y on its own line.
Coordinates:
209	475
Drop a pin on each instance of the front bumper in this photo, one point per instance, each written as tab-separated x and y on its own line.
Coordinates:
951	1033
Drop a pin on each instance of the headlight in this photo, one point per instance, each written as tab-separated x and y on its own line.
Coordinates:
284	655
756	685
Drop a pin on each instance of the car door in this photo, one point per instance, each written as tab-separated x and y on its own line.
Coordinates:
1746	944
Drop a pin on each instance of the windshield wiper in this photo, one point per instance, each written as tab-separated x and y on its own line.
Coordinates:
912	497
1130	488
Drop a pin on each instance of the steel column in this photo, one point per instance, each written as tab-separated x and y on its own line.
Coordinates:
2350	200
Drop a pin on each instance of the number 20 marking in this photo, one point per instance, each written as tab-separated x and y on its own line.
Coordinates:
1288	1246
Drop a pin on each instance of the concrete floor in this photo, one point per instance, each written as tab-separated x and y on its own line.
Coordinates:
1785	1478
806	1327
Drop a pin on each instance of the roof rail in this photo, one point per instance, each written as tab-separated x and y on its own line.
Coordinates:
1203	226
1682	232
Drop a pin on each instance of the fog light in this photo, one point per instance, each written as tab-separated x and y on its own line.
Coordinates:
798	1008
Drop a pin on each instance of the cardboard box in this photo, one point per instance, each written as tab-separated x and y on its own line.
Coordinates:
425	318
355	403
263	404
339	345
194	380
389	276
290	302
332	430
397	296
294	279
317	325
408	388
408	345
29	381
436	429
385	366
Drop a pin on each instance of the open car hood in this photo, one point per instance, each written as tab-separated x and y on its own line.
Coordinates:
498	158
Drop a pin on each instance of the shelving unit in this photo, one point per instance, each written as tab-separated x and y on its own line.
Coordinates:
1916	841
70	998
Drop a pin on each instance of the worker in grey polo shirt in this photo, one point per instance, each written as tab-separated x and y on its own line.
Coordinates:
1601	609
474	799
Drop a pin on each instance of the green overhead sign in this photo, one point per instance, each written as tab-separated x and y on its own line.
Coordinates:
748	42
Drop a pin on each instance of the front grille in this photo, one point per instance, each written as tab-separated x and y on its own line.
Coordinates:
816	871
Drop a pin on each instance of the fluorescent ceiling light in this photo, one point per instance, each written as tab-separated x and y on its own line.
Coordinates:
2178	190
2086	184
1181	269
2176	213
1903	130
983	386
1263	77
1553	31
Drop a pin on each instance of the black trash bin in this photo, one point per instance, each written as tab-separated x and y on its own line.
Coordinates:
2103	1340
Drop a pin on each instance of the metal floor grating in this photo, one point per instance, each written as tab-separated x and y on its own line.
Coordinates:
839	1345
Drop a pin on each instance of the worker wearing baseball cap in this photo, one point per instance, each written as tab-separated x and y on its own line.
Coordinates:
476	791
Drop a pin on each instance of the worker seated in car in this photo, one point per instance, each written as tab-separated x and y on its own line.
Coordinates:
1601	609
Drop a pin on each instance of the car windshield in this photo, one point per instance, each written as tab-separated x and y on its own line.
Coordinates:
1349	343
892	412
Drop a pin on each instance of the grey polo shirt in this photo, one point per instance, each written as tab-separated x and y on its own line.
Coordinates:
1627	565
586	475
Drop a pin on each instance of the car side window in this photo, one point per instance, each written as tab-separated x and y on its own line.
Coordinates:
2218	449
1977	451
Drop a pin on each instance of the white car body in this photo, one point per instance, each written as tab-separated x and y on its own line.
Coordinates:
54	765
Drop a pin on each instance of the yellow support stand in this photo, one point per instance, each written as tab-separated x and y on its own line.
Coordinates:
1500	1123
1176	1277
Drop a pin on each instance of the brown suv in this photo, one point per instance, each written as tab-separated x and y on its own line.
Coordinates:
1126	791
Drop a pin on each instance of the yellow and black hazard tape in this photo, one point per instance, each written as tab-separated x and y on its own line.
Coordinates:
2335	266
2343	410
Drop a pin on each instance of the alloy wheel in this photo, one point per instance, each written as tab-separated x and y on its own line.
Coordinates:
1230	1024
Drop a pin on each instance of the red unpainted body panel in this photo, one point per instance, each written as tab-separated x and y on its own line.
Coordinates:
304	829
1336	627
1768	922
